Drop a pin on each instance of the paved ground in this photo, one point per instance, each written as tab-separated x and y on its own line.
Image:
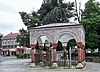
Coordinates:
11	64
6	58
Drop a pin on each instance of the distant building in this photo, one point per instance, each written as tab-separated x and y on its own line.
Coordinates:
9	44
0	44
0	40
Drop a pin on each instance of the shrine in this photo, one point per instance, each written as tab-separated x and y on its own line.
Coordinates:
48	36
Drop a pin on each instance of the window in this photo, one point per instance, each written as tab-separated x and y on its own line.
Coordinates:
8	42
5	43
12	42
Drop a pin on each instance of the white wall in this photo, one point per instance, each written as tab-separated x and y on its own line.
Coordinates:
65	38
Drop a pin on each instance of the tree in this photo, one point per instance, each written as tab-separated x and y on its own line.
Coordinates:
91	21
72	42
46	13
23	38
56	12
30	20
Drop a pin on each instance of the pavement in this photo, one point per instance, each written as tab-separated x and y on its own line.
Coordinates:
16	62
6	58
22	65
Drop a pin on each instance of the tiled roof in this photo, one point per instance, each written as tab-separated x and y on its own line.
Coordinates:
56	24
10	36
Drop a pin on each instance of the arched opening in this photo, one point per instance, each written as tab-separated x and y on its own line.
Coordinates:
64	38
42	39
72	51
66	49
42	45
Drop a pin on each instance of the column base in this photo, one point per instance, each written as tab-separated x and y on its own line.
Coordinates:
54	65
41	64
79	66
84	62
32	65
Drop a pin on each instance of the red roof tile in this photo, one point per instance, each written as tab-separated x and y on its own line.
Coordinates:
12	34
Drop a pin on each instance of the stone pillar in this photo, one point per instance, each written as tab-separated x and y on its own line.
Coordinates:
54	65
82	54
83	51
65	53
32	55
32	65
54	55
84	57
80	65
83	62
41	56
51	56
47	54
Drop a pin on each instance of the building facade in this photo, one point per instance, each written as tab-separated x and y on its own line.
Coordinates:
0	44
9	44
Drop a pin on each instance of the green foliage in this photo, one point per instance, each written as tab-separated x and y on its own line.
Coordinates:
72	42
25	18
49	12
30	20
91	9
23	56
93	54
23	38
91	22
92	40
59	13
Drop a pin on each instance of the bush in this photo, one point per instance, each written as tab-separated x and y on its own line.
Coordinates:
23	56
96	54
93	54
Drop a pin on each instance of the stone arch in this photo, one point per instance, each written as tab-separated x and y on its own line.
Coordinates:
66	32
39	40
42	34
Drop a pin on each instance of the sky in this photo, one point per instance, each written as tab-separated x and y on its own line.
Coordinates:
10	20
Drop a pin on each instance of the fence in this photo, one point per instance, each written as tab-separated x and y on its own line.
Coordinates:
62	60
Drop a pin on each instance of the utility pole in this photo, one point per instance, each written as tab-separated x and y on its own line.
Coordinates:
78	10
